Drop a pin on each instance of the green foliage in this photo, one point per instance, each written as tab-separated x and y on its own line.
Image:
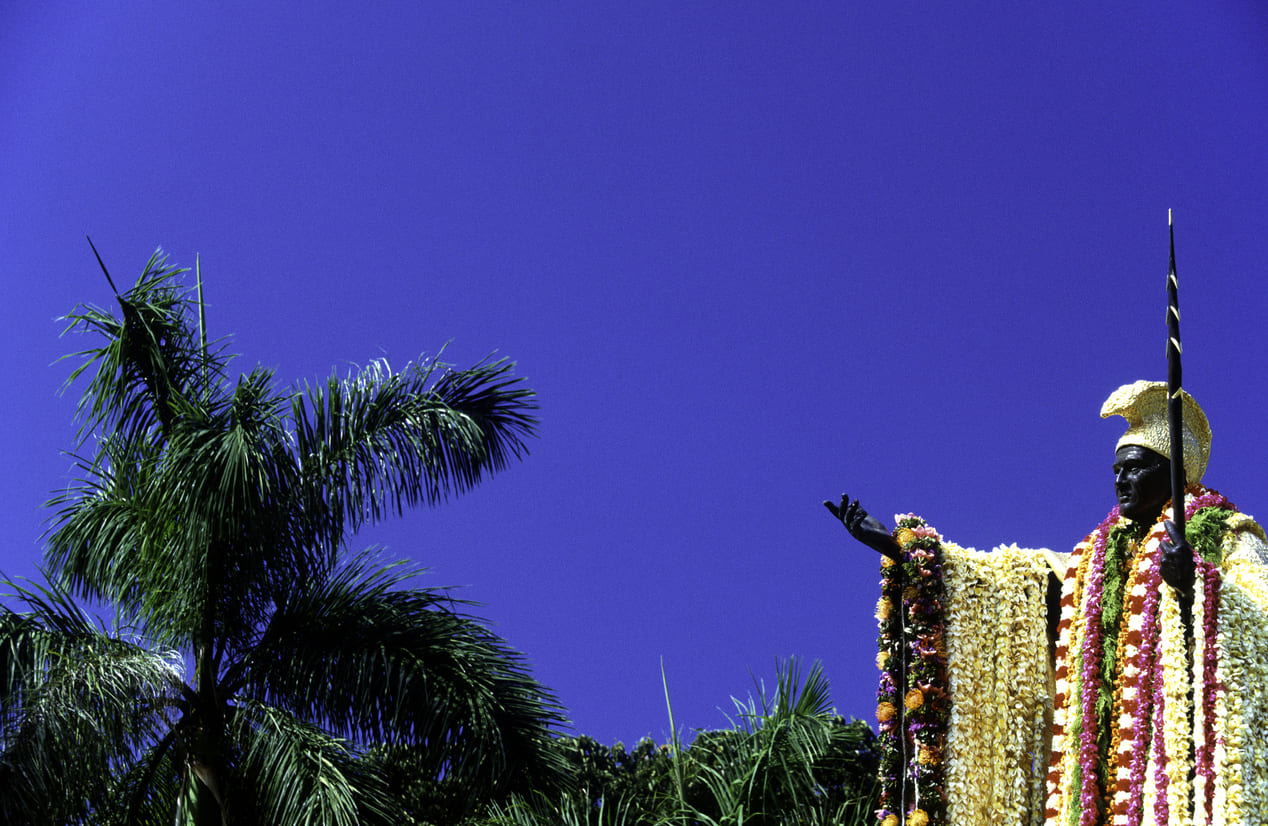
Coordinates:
72	695
213	514
612	774
787	758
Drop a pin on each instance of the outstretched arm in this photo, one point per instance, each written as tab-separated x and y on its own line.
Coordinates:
862	526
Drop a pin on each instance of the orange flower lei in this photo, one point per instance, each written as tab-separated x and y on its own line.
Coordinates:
912	702
1149	755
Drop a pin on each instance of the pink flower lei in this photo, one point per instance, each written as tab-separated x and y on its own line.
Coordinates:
1089	675
1141	721
913	702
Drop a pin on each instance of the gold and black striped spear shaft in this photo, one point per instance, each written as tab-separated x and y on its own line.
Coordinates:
1175	423
1175	413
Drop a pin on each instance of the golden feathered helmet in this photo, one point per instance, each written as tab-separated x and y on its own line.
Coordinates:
1144	405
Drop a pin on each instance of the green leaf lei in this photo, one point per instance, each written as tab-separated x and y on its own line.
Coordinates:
1204	532
913	704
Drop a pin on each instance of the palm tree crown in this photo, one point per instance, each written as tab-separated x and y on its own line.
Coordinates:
213	514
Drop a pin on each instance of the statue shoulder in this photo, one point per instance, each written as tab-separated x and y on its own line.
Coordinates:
1057	561
1244	523
1244	541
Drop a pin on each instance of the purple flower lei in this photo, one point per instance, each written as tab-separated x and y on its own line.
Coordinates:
1149	711
915	704
1205	752
1089	676
1162	781
1209	576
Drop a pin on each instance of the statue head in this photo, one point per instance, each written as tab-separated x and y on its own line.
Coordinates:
1144	405
1142	482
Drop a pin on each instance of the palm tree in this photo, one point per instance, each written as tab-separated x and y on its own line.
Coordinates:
213	515
788	757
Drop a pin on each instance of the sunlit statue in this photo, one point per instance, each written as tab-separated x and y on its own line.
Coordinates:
1146	703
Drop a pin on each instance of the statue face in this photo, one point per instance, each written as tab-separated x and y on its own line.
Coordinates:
1142	482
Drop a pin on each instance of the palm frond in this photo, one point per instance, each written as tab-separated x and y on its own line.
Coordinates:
789	734
157	528
357	655
108	521
150	358
535	809
75	703
300	774
380	441
146	794
231	475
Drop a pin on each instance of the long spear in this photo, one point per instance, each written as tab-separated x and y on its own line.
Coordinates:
1175	413
1175	421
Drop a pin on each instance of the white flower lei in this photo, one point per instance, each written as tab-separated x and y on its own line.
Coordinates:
1000	681
1241	711
1233	789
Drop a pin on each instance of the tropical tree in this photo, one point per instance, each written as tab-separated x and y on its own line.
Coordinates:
787	757
253	659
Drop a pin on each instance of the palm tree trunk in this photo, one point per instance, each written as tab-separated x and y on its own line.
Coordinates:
206	758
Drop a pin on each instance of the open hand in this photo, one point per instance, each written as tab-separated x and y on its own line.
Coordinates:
865	528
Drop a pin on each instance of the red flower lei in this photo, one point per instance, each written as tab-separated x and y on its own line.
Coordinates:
1141	719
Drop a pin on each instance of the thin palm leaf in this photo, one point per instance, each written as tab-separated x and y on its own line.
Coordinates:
380	441
301	774
151	357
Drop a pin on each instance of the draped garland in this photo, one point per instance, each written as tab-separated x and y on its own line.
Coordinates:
1143	732
912	702
953	619
1136	724
998	738
1240	754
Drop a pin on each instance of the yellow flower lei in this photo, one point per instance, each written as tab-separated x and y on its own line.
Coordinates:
1180	755
998	661
997	729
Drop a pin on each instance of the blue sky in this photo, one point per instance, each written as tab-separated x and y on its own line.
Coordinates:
749	255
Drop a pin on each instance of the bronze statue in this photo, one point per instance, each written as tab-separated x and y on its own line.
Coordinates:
1142	485
1150	701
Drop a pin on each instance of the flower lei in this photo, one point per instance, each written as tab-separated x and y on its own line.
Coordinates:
912	702
1240	765
998	674
1163	754
1119	727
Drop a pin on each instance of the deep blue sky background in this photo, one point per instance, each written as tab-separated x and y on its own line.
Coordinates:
750	255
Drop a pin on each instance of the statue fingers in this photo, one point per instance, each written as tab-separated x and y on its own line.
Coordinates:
1174	541
854	515
839	511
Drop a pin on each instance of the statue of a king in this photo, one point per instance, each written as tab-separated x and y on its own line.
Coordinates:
1123	684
